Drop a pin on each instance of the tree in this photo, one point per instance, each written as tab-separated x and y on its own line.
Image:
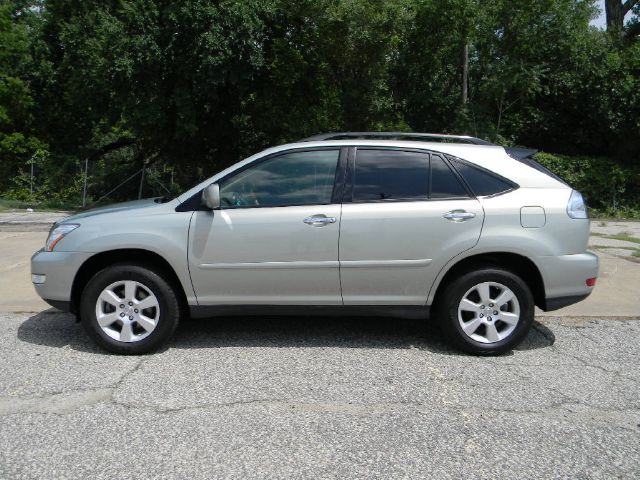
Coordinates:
633	26
19	144
514	49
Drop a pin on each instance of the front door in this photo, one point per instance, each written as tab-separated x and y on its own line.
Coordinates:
406	214
274	241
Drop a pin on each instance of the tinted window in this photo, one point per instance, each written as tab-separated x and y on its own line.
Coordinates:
389	174
296	178
482	183
444	183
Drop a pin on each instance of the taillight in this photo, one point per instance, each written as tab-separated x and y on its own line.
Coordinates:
591	282
576	207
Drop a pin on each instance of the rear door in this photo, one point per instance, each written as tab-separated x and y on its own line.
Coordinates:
405	214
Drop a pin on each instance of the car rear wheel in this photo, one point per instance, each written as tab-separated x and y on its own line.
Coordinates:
485	312
129	309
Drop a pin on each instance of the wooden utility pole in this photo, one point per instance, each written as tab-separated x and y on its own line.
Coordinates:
144	166
465	74
84	183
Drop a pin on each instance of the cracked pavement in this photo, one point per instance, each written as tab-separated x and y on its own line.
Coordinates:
319	398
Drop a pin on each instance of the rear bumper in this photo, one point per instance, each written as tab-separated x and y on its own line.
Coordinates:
565	278
56	272
561	302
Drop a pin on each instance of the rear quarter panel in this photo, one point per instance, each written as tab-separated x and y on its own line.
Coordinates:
560	234
503	231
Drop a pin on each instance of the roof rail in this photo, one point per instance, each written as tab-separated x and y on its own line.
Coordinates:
407	136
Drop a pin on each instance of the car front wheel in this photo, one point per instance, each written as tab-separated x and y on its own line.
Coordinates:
129	309
488	311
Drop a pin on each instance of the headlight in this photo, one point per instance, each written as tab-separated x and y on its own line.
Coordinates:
57	233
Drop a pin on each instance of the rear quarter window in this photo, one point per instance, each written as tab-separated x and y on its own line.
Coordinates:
482	182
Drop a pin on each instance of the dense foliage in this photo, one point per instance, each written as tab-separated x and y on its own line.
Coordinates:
610	188
189	87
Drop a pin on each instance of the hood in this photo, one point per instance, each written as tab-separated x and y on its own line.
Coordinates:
116	207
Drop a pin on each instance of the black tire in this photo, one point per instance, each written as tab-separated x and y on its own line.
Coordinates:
447	310
163	290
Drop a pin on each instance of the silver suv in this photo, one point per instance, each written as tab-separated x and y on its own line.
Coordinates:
474	233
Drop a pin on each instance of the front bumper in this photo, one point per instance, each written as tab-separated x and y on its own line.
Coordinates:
58	269
565	278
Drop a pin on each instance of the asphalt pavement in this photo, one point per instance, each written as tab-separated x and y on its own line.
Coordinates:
319	398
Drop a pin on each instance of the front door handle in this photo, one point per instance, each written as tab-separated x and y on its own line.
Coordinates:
319	220
458	215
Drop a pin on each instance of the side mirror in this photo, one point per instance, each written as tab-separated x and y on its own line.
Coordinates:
211	196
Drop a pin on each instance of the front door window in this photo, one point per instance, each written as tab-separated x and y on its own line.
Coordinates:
294	178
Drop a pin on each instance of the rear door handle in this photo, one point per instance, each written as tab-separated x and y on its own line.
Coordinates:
319	220
458	215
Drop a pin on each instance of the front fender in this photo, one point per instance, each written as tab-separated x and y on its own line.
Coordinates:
164	234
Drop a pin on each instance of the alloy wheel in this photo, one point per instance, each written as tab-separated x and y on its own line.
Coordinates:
489	312
127	311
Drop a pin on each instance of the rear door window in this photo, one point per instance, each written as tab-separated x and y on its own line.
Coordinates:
403	175
444	182
390	175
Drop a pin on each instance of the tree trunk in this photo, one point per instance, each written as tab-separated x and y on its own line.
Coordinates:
614	11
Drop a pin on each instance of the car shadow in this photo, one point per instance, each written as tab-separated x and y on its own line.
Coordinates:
60	330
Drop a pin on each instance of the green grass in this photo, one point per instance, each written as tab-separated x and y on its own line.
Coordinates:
620	248
11	204
625	237
7	204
